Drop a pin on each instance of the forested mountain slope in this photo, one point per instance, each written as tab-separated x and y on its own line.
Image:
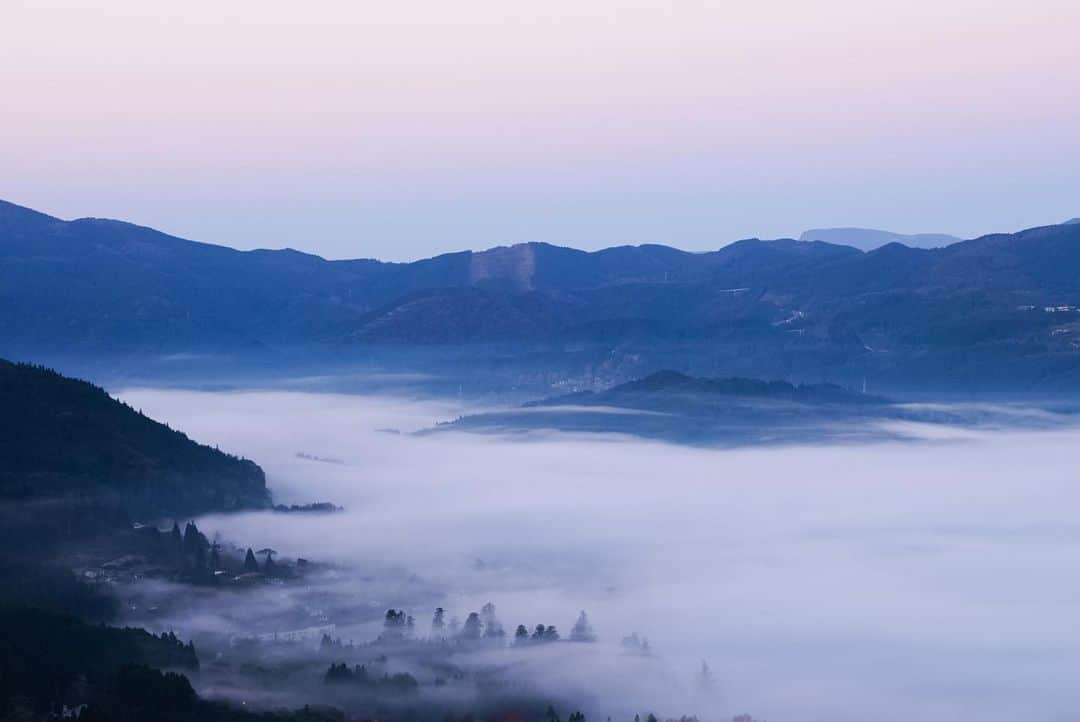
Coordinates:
65	438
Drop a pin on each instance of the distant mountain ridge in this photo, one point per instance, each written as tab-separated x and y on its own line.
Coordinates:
970	312
869	239
668	382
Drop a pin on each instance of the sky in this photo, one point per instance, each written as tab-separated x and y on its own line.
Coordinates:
399	129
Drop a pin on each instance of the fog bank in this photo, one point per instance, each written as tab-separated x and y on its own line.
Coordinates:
931	580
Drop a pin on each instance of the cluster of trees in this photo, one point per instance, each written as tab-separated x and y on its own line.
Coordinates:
195	556
539	634
397	624
552	716
49	659
485	625
650	717
196	559
136	693
268	567
582	631
400	682
53	664
637	645
478	625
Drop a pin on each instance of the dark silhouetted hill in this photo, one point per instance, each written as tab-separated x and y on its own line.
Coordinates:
65	438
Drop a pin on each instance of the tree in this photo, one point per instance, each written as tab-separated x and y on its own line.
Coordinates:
473	627
521	635
438	624
338	673
268	565
493	629
194	540
550	634
582	631
250	564
636	644
705	682
395	622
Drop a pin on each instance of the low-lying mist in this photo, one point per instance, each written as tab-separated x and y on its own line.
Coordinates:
928	580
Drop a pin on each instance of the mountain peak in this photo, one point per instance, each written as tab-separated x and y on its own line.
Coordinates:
868	239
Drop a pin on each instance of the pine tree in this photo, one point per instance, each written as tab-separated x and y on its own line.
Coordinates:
250	564
705	682
473	627
582	631
438	625
493	629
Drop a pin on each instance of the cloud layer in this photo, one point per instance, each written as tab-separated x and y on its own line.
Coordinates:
898	581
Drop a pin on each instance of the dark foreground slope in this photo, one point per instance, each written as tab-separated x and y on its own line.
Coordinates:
61	437
54	666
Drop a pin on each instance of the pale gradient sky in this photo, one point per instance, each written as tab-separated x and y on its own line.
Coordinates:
399	129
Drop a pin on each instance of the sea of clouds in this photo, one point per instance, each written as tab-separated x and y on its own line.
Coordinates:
933	579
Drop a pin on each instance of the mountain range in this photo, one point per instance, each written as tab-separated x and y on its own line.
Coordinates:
991	311
868	239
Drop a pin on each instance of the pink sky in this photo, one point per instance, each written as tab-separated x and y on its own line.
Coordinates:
401	129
